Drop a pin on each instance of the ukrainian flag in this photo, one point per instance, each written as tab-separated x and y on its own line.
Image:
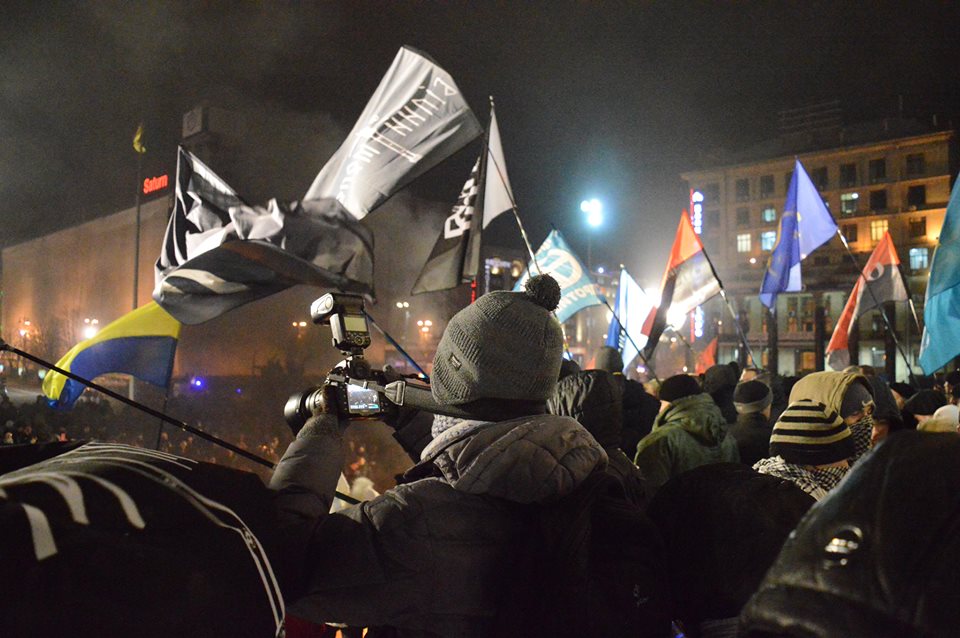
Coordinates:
141	343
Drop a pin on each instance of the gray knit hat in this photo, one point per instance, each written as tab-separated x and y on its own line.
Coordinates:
808	433
506	345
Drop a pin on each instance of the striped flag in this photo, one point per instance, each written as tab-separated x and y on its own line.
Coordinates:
881	281
444	268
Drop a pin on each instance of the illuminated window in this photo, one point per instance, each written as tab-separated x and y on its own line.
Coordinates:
877	170
742	190
743	243
878	201
766	186
848	203
848	175
915	164
743	217
918	227
918	258
877	228
850	232
769	214
768	239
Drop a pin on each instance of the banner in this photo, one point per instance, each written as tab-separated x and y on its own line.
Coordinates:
941	311
576	289
416	118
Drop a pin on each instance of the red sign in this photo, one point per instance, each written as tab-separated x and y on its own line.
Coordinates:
153	184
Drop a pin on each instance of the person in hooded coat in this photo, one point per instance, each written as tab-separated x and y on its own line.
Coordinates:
719	382
640	408
752	399
689	431
432	556
593	398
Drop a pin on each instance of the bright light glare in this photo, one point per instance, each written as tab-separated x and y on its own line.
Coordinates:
89	332
600	270
594	210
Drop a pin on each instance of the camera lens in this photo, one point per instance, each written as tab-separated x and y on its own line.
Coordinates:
301	406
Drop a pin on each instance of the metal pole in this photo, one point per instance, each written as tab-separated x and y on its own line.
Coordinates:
396	345
646	362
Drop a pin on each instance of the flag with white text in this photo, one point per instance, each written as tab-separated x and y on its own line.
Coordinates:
556	259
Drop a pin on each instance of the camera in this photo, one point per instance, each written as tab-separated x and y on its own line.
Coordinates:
357	387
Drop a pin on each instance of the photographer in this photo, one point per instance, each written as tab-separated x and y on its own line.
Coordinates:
437	554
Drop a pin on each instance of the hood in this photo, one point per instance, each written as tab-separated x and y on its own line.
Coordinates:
531	459
594	399
827	388
698	415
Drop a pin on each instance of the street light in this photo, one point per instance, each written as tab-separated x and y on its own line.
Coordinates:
90	327
594	211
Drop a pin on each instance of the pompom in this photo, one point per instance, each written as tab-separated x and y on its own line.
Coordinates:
544	291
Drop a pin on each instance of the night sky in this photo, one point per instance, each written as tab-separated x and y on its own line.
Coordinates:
607	100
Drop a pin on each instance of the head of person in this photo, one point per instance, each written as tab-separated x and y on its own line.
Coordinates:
922	405
901	392
809	433
951	385
752	397
719	378
886	414
499	357
677	387
608	358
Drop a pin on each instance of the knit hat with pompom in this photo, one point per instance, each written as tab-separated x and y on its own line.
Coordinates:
506	345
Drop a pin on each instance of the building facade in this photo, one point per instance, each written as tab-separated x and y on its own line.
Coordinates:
885	176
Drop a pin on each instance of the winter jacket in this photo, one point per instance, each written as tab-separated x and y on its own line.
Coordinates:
640	410
433	556
752	433
593	398
689	433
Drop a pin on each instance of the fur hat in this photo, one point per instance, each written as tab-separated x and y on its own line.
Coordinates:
808	433
678	387
505	345
752	396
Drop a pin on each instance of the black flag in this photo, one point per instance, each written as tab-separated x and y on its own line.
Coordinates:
444	268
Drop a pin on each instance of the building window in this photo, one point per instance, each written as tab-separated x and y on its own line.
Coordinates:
787	178
878	201
878	170
877	228
712	219
819	177
742	190
918	227
850	232
848	175
918	258
711	194
766	186
769	214
848	203
917	196
915	164
743	243
768	239
743	217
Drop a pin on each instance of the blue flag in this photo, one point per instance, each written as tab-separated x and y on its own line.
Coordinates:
805	225
576	289
632	307
941	311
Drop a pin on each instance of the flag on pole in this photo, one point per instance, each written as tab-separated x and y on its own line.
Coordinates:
416	118
632	307
219	253
805	225
138	140
445	266
707	357
497	194
882	275
687	283
557	259
941	310
141	343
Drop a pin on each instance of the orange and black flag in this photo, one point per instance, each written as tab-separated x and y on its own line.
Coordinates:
881	281
708	357
138	140
687	283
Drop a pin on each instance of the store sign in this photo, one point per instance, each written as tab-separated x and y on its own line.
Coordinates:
154	184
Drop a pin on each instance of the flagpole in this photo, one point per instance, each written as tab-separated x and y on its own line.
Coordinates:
396	345
733	313
878	305
646	361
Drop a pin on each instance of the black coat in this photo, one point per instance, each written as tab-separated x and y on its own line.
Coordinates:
640	409
752	432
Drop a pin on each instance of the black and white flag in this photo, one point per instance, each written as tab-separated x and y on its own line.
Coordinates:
444	268
220	253
416	118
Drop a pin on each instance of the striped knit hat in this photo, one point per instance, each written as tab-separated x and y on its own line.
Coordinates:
808	434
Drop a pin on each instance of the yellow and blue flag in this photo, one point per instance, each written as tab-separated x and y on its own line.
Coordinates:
142	343
941	310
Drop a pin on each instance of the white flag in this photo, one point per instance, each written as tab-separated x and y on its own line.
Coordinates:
497	194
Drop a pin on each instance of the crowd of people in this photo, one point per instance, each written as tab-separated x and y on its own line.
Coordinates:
545	500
